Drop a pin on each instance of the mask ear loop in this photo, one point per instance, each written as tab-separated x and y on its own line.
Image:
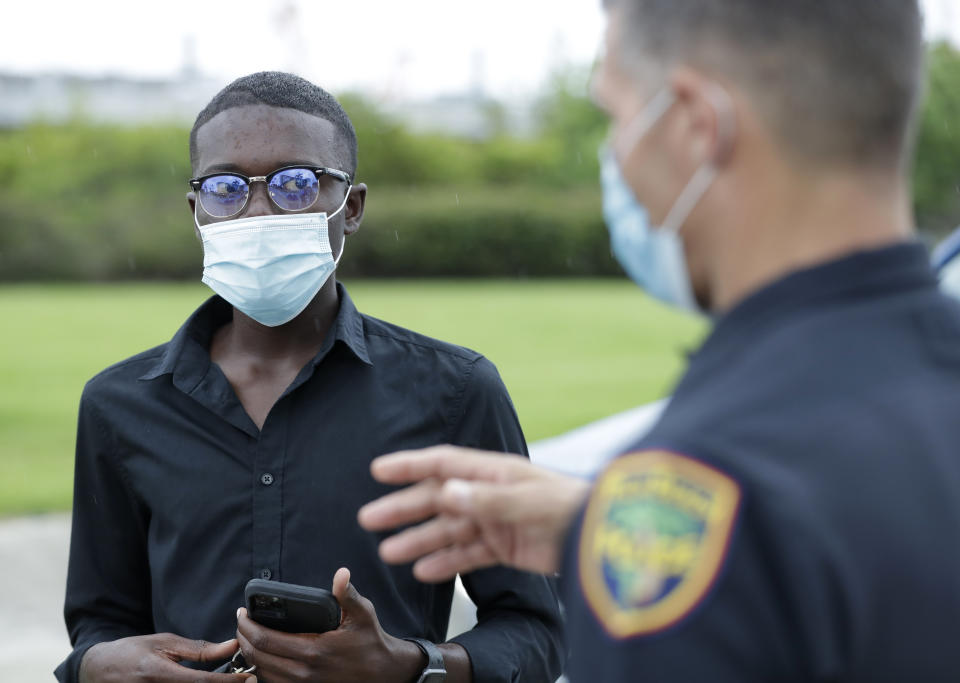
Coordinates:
689	198
646	119
702	180
196	221
343	245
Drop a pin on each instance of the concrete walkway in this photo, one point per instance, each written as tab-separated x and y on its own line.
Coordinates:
33	555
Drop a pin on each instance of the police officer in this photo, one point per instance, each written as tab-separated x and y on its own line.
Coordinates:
794	514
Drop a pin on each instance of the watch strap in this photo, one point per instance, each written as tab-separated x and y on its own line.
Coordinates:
436	671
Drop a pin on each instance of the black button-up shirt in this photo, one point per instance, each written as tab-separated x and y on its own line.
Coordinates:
830	400
179	499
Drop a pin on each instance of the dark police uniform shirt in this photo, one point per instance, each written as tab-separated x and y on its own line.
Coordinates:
179	499
795	515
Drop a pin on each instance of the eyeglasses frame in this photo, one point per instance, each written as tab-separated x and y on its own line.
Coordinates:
319	171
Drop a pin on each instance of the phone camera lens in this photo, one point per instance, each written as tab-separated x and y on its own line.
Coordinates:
267	602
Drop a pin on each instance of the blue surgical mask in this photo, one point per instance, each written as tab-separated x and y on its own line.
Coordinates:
269	267
652	256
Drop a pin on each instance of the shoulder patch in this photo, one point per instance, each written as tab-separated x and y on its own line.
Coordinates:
654	538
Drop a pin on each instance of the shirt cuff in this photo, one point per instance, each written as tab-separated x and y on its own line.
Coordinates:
493	656
69	669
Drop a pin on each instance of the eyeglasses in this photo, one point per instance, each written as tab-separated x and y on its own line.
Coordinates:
291	188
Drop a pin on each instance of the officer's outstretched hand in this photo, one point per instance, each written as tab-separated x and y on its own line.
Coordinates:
358	651
481	509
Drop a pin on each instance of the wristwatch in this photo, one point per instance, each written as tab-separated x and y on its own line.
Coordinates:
435	672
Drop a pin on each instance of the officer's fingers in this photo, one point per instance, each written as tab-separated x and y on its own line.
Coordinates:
482	501
429	537
406	467
549	501
445	564
178	648
447	462
410	505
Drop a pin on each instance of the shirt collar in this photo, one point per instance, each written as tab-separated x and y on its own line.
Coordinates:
858	276
196	333
349	327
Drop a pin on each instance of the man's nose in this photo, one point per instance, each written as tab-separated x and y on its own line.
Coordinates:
259	203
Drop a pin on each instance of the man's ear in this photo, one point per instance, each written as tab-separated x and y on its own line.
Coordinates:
353	211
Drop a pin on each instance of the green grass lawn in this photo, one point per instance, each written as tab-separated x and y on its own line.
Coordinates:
569	352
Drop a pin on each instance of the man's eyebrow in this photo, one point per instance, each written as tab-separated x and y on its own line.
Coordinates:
216	168
228	167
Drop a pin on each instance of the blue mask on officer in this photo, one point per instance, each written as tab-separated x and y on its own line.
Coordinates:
653	257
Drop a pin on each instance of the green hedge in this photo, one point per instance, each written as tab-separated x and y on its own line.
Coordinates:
96	202
84	202
479	231
406	233
449	232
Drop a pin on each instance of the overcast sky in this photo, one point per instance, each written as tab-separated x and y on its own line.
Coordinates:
389	48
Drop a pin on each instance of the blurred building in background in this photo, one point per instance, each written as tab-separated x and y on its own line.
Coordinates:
56	98
62	97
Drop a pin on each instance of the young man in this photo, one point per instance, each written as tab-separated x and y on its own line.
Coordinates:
241	448
792	515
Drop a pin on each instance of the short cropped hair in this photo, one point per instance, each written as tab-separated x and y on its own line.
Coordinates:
837	81
280	89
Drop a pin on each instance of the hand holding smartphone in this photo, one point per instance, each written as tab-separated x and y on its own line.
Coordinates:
286	607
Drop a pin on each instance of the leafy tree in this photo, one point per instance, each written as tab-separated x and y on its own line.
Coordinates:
937	170
568	117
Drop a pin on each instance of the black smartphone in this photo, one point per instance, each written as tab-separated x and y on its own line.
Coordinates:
291	608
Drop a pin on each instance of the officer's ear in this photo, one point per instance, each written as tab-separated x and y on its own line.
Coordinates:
708	120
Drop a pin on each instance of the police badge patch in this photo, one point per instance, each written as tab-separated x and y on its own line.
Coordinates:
654	538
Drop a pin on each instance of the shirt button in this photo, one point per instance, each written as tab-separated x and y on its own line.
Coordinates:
266	479
265	574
